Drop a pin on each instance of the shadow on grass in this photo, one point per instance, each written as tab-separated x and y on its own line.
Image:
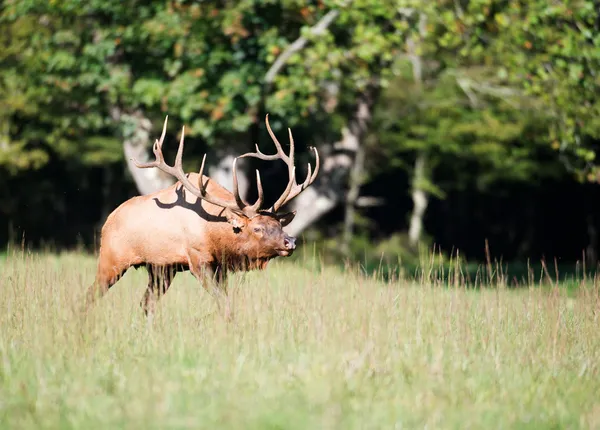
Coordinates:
513	275
446	271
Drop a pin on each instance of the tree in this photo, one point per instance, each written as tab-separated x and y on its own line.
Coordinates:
526	56
555	57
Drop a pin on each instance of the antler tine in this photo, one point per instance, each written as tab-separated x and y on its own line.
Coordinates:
156	149
241	202
260	154
317	164
179	157
297	189
308	175
311	176
281	200
292	147
259	187
292	176
236	193
164	133
202	186
280	154
259	201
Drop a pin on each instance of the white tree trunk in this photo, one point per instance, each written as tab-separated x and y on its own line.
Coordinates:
419	195
146	181
311	205
221	172
136	145
420	200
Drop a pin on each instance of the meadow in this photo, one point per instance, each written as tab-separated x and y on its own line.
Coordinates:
311	347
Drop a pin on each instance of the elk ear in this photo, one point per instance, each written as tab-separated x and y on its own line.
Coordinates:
237	220
286	218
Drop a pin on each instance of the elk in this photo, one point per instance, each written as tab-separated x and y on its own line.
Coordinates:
196	225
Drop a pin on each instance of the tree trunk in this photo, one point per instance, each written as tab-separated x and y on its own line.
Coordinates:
136	145
420	200
351	201
329	189
419	195
222	171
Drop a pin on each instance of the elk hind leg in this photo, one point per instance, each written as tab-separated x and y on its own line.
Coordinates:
107	275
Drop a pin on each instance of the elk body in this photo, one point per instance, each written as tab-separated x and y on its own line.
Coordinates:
195	225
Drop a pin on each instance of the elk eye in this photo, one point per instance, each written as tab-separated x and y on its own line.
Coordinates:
257	229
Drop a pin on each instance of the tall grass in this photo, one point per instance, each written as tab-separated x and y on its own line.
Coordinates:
308	349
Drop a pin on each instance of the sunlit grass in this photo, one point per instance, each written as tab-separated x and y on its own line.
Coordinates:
307	350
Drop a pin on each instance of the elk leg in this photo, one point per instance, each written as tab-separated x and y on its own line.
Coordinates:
106	276
214	280
215	284
159	281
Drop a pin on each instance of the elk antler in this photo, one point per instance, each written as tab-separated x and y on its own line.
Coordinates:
177	171
292	189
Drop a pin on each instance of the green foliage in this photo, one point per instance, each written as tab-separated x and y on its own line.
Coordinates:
65	65
552	51
563	56
502	143
200	63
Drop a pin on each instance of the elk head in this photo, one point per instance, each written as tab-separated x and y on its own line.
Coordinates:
261	229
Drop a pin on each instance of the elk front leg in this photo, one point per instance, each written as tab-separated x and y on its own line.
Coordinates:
213	278
159	281
216	280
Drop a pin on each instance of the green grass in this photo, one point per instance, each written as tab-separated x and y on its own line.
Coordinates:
307	350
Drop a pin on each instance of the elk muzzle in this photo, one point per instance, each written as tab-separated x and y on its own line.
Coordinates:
289	245
289	242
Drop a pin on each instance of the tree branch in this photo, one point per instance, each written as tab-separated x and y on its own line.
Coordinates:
298	44
470	86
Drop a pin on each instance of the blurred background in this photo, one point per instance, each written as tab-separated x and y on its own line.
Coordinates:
448	123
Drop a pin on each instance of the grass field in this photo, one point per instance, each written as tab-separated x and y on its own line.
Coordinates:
325	349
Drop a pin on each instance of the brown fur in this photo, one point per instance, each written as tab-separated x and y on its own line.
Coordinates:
172	230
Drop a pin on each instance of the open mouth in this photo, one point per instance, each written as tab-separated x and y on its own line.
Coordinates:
284	252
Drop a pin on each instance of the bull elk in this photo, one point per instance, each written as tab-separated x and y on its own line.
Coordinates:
196	225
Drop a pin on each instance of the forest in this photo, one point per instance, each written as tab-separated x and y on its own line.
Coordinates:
464	126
